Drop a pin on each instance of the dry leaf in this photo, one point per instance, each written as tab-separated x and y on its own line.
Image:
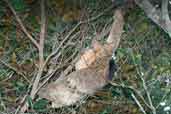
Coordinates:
14	58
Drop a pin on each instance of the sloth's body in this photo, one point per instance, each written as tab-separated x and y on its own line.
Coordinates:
72	88
93	70
86	81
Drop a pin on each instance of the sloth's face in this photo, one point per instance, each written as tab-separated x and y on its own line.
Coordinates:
91	55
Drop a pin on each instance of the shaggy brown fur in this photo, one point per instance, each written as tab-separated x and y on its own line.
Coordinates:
91	73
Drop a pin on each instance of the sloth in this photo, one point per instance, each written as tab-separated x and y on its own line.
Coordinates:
72	88
93	71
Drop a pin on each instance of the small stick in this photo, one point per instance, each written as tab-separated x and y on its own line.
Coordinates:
138	103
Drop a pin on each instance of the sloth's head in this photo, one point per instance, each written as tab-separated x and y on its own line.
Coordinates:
96	51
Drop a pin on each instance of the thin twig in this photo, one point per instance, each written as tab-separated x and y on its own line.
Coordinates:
138	103
15	70
73	30
163	98
140	74
59	66
9	76
60	45
148	95
23	100
99	15
134	90
76	34
22	25
2	104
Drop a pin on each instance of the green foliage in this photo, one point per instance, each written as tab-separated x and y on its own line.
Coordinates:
107	111
20	87
3	74
33	23
115	91
2	92
29	101
19	5
121	52
40	105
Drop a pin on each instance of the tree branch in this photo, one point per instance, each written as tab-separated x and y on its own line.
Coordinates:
41	56
42	33
41	47
160	17
22	25
165	16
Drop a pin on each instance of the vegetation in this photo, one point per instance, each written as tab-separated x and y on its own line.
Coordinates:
143	58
